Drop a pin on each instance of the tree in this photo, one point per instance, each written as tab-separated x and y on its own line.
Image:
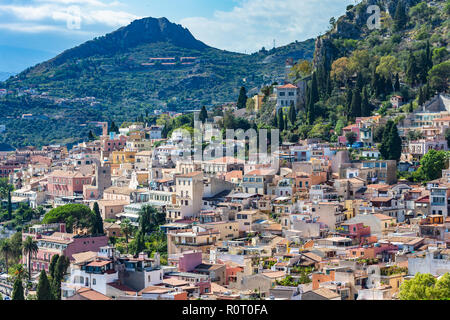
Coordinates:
447	137
388	66
91	136
432	164
439	76
150	219
411	69
242	99
302	68
127	229
292	114
425	287
203	115
340	69
366	109
400	16
139	244
97	225
355	109
18	292
5	187
73	215
43	288
52	266
29	248
351	137
114	128
397	83
280	120
6	251
9	205
391	145
60	271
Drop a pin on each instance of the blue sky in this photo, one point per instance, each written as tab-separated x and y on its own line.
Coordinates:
35	30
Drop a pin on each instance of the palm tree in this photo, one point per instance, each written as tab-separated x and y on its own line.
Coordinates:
6	250
29	248
126	229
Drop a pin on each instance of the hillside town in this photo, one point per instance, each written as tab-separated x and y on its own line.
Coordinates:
330	221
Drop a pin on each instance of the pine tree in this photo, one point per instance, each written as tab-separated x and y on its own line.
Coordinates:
18	292
242	99
397	83
97	227
43	288
203	115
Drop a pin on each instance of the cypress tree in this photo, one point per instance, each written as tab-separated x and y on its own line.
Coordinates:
397	83
18	292
286	125
421	97
275	120
91	136
384	147
348	103
203	115
411	69
400	16
242	99
97	227
51	267
395	144
365	104
314	89
43	288
281	120
388	86
411	107
9	205
60	270
292	114
355	109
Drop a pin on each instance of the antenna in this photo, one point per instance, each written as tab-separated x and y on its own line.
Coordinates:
274	43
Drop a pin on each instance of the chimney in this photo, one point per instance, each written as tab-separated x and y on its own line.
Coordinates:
62	227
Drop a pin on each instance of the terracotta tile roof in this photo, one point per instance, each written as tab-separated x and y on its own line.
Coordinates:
99	263
190	175
175	282
274	274
326	293
90	294
383	216
288	86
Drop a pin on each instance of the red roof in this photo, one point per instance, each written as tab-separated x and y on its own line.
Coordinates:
288	86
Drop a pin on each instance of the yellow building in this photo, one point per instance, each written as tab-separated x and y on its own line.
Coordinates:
120	157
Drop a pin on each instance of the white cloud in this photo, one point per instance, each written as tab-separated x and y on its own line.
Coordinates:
253	24
53	15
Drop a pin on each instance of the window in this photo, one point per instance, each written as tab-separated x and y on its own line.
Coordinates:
94	282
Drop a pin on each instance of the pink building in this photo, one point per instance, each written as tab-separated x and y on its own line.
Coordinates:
351	128
66	183
189	260
356	231
110	145
51	242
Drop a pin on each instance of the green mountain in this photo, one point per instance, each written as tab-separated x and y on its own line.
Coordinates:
359	65
125	73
